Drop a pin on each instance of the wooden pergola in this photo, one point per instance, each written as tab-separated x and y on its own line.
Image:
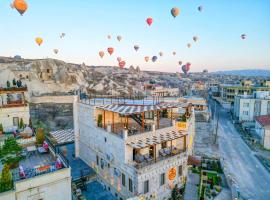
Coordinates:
126	111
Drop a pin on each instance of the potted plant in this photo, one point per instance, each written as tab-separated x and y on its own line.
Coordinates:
40	136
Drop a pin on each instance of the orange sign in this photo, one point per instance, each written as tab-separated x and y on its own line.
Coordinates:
172	174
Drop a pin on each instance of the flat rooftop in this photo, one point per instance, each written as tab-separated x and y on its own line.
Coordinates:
35	164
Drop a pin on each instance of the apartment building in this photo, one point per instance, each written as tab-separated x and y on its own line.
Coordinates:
229	91
247	107
262	128
137	148
13	107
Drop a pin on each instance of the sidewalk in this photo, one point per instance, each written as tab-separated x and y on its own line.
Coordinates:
191	191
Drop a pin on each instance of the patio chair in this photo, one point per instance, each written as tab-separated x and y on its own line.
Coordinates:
162	152
167	151
148	158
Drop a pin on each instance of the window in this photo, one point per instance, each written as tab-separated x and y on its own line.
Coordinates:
130	185
245	112
123	179
97	159
101	163
15	121
162	179
48	70
105	139
246	105
180	170
146	186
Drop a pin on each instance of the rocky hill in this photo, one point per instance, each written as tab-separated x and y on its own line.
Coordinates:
55	76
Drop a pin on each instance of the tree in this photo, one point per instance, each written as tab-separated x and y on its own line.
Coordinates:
6	179
1	128
21	125
8	84
14	82
30	123
40	137
10	153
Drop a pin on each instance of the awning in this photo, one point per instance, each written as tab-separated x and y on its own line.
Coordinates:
63	136
126	109
156	139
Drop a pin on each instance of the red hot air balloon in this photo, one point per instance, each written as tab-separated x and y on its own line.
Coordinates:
188	66
149	21
122	64
110	50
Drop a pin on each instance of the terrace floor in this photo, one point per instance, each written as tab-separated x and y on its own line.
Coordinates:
36	159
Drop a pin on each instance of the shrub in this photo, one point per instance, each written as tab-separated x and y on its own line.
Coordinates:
14	82
8	84
10	153
40	136
6	179
99	121
1	128
21	125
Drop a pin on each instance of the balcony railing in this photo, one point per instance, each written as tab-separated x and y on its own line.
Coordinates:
151	160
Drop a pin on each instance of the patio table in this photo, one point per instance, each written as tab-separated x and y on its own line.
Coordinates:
31	148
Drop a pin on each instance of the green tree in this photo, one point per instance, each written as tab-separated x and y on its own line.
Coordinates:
40	136
21	125
14	82
8	84
175	194
99	121
10	153
6	179
30	123
1	128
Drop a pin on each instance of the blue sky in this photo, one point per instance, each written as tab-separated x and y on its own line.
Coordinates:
87	24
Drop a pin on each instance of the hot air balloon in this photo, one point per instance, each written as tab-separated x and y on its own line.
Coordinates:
243	36
149	21
119	59
55	51
122	64
188	66
12	5
109	37
136	47
146	58
188	45
101	54
119	38
62	35
195	38
174	53
180	62
200	8
20	5
110	50
39	40
175	11
161	53
154	58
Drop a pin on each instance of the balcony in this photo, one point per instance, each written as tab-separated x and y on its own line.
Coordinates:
13	90
146	161
14	103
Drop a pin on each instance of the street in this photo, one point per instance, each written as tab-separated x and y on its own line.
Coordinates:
239	161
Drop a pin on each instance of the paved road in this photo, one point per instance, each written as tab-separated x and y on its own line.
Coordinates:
245	169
